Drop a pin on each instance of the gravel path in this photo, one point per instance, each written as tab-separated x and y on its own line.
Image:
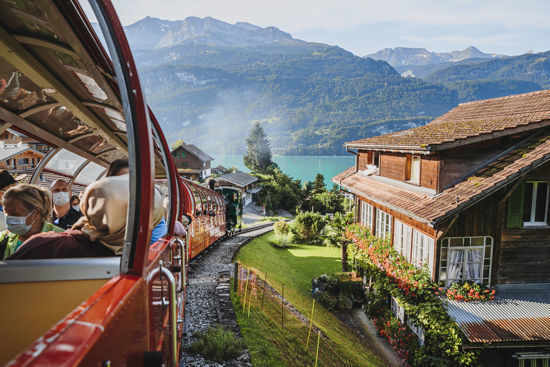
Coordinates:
202	300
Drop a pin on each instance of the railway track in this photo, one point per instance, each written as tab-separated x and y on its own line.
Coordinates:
203	303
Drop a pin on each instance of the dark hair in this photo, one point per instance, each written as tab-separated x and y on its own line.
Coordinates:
74	197
116	166
5	179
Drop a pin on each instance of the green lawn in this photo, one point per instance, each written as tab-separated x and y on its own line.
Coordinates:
295	267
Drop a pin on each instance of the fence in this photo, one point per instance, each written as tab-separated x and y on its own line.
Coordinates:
298	339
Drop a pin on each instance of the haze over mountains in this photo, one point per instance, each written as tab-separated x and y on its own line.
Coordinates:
208	80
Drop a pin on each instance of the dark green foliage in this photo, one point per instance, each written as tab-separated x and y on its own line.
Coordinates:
279	191
318	199
318	184
258	154
307	227
217	344
471	90
328	301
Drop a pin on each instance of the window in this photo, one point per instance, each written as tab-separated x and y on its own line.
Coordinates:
418	330
383	224
366	215
414	169
402	235
528	205
376	159
466	258
397	310
422	250
535	203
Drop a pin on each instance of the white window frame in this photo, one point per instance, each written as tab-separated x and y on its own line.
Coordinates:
418	330
463	244
383	224
402	237
532	221
422	250
397	310
366	215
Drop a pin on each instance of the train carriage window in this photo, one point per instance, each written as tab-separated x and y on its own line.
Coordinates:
65	163
89	174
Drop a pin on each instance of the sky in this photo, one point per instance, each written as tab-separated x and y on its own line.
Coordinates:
509	27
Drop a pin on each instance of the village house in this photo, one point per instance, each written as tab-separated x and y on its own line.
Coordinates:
192	162
247	184
467	197
19	154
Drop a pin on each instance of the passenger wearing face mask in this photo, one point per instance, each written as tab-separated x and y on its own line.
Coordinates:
64	214
6	181
75	203
28	209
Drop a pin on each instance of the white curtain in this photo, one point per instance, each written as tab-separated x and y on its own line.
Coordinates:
473	264
454	267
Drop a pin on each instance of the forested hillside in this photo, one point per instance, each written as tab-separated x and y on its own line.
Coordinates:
208	81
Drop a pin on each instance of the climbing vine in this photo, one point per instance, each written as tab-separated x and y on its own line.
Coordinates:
392	275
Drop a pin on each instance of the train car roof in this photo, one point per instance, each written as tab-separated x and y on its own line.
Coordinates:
58	85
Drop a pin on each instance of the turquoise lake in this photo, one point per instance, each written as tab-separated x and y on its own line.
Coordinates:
303	168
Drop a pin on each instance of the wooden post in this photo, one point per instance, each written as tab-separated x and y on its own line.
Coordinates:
310	323
263	294
282	307
245	290
236	283
317	353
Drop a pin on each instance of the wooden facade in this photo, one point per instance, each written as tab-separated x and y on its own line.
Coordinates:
512	248
192	162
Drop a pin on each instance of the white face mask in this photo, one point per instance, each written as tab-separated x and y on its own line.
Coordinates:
60	198
76	207
18	225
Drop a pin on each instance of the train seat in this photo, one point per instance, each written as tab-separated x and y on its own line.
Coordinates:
36	294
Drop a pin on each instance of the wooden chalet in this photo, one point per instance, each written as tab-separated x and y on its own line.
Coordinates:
247	184
467	196
192	162
17	155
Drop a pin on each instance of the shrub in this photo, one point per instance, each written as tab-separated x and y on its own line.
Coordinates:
217	344
328	301
281	227
281	240
308	226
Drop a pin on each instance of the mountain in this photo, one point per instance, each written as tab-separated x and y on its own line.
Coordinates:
400	56
419	62
154	33
534	68
208	81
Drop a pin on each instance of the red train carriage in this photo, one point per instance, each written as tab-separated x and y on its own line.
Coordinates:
60	86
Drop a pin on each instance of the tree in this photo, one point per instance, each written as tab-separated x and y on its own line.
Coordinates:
319	184
177	143
334	235
258	155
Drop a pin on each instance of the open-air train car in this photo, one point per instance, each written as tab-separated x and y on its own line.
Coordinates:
58	85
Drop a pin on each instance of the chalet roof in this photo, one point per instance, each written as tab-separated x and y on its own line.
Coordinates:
469	123
9	153
434	209
238	178
194	150
513	316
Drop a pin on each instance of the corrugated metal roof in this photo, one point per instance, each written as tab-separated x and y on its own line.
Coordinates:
511	317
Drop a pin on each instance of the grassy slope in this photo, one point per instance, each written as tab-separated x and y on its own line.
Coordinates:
295	267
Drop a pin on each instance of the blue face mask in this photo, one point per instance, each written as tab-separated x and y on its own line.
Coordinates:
18	225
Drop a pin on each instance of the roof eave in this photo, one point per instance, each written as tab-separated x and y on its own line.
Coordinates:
391	148
388	205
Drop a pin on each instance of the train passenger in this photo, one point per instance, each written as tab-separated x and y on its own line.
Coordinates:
118	167
64	214
99	232
6	181
75	203
28	209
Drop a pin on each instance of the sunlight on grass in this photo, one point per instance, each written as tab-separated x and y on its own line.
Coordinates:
295	267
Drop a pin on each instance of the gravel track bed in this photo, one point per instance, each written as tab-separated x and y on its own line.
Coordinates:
202	300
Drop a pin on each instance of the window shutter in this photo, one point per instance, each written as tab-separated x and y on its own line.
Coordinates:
514	218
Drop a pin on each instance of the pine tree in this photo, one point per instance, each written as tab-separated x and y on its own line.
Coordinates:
258	155
319	184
